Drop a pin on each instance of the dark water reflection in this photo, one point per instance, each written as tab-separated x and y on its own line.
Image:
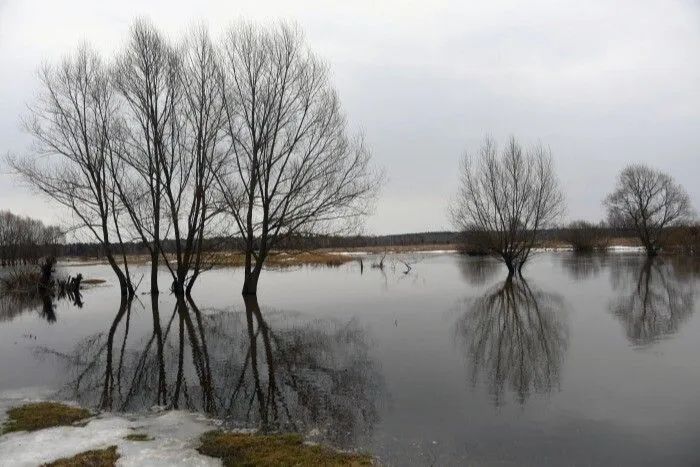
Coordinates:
515	337
589	361
655	296
479	270
13	305
249	368
584	266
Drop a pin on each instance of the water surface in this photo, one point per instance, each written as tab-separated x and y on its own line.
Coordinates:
588	361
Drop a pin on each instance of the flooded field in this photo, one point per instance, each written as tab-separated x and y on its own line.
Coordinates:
588	361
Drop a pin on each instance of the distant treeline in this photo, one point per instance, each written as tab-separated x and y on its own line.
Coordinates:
457	240
24	240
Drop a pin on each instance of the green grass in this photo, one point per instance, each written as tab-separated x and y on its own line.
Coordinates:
273	450
97	458
36	416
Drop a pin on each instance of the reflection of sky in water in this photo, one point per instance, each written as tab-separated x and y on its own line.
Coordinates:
600	379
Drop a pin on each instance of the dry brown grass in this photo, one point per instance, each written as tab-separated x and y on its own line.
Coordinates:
329	256
283	259
138	437
280	259
40	415
96	458
273	450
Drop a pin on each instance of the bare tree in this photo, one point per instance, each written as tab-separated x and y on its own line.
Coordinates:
506	199
649	201
171	145
293	168
200	155
145	76
25	240
73	127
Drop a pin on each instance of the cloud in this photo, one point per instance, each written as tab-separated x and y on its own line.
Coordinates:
602	83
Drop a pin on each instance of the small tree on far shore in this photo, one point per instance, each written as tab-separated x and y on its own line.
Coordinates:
505	198
585	237
650	202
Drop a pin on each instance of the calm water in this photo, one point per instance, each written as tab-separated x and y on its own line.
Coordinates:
591	361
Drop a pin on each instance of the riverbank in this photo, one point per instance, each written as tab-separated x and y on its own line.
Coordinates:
55	434
333	257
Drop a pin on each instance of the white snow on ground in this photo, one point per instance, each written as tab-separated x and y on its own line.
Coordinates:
626	249
350	253
611	249
433	252
407	252
176	435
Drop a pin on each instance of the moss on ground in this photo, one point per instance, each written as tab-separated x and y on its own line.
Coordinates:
97	458
138	437
39	415
236	449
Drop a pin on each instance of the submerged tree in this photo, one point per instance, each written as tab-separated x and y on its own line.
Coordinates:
648	201
70	161
506	198
131	147
293	167
155	143
172	145
515	337
145	77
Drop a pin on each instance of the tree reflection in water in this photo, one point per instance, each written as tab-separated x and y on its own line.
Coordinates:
584	266
478	270
658	295
13	305
252	369
515	338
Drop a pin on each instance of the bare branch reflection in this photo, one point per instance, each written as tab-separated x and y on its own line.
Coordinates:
275	373
514	337
584	266
658	295
13	305
478	270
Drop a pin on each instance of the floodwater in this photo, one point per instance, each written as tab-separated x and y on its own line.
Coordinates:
589	361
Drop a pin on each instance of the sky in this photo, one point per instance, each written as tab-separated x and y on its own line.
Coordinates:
602	83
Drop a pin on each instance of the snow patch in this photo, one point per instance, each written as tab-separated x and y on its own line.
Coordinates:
626	249
175	436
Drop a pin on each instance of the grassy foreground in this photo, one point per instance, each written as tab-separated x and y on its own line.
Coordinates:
232	448
40	415
273	450
96	458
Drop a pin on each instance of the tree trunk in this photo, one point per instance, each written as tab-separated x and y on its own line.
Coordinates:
154	271
125	286
162	392
250	282
511	267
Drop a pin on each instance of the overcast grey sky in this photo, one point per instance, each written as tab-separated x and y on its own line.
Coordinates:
603	83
